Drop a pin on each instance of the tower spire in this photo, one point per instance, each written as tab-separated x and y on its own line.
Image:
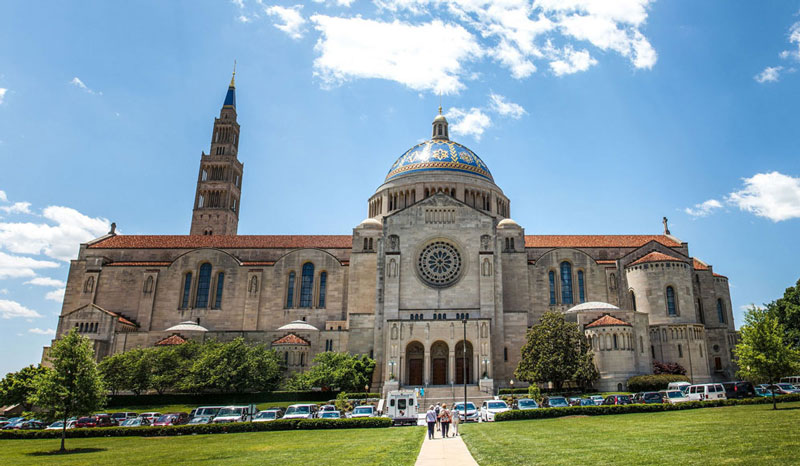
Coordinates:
233	76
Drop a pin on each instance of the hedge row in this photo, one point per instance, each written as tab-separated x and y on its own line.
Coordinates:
548	391
361	396
215	398
165	431
654	383
545	413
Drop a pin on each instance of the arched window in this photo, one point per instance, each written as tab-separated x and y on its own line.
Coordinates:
187	289
505	353
290	291
720	311
306	284
566	283
615	342
203	286
552	276
680	351
323	286
218	294
633	300
671	309
700	311
581	292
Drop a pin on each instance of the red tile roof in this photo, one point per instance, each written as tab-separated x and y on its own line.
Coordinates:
608	321
596	241
655	257
699	265
140	263
224	242
290	339
171	341
720	276
606	262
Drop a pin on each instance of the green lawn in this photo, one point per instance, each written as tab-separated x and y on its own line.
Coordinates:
731	435
395	446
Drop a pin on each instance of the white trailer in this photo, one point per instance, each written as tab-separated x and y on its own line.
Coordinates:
402	407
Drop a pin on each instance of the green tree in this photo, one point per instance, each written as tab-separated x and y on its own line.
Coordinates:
554	352
586	373
74	386
336	371
762	352
18	386
787	311
235	367
115	372
139	367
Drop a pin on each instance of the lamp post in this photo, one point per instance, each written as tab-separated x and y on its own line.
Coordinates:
464	366
512	385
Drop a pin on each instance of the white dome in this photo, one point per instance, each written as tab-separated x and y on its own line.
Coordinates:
593	306
188	326
507	223
299	325
370	223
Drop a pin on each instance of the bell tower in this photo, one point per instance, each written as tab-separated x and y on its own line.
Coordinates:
219	182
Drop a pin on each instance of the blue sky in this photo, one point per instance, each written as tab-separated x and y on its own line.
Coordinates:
594	117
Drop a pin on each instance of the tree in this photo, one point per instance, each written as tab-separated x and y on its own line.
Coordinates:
74	385
586	373
235	367
787	311
17	387
171	366
115	372
762	352
555	352
337	371
672	368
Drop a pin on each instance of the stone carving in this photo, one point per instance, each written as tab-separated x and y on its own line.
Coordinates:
253	288
394	243
392	268
485	239
394	332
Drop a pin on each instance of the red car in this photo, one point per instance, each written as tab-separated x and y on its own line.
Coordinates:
172	419
88	421
104	420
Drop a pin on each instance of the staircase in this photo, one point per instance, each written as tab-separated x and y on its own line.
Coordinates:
451	394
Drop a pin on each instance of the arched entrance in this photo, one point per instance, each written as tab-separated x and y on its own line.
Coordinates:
461	361
415	357
439	354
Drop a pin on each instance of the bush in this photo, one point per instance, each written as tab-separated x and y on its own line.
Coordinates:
167	431
513	391
361	396
545	413
654	383
214	398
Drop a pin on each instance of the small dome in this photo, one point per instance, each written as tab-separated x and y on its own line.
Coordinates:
299	326
188	326
507	223
371	223
593	306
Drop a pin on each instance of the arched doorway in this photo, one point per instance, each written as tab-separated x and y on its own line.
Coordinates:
415	356
461	361
439	354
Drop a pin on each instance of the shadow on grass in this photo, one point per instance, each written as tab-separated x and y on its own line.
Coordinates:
74	451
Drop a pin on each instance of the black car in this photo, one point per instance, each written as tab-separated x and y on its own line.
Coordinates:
740	389
617	400
650	398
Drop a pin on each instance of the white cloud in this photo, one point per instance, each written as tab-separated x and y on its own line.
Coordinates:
505	108
469	123
17	208
769	74
40	331
771	195
12	309
239	3
3	91
291	20
78	83
794	38
428	56
46	281
572	61
3	197
4	291
243	19
59	241
19	266
344	3
703	209
55	295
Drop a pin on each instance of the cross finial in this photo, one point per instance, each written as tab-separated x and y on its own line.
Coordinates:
233	76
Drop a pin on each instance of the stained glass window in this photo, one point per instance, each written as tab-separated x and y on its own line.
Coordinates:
566	283
552	288
720	311
581	292
187	289
306	284
290	291
671	310
323	285
203	285
218	296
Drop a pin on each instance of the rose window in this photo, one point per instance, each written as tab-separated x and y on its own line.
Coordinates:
439	264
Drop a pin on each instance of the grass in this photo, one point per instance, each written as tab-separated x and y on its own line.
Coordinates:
394	446
731	435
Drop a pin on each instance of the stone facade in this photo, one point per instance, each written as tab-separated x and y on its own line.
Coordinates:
436	283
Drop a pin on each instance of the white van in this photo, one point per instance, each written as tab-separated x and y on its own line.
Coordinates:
706	391
402	407
678	386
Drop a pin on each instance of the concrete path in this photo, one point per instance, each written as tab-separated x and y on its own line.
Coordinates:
439	451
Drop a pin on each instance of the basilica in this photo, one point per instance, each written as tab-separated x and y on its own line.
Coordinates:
438	284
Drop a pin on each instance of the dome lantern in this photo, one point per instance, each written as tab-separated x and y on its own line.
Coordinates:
440	127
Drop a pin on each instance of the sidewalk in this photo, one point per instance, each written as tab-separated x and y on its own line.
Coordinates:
439	451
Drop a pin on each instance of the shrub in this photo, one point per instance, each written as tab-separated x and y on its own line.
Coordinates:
653	383
513	391
166	431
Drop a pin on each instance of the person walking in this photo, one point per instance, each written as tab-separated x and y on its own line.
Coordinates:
444	418
438	421
456	420
430	418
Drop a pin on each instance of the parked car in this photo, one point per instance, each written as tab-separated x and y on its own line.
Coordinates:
587	402
617	400
120	417
554	402
574	401
649	398
707	391
490	408
13	423
673	396
150	416
738	390
363	411
136	422
526	403
783	388
761	391
201	420
794	380
330	415
32	424
205	411
59	424
598	399
235	414
678	386
471	413
302	411
324	408
86	422
271	415
104	420
172	419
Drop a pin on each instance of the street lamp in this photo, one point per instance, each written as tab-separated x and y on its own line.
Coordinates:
512	385
464	366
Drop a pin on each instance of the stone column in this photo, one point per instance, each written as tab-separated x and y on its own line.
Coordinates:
451	367
426	376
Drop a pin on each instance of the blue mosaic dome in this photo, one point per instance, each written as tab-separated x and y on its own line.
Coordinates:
439	155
